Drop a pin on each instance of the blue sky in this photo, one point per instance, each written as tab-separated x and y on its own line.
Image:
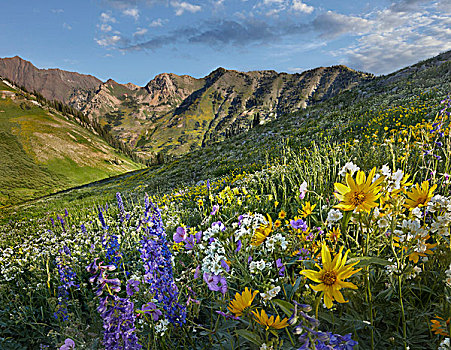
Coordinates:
133	40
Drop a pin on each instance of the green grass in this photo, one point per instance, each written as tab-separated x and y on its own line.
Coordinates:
43	153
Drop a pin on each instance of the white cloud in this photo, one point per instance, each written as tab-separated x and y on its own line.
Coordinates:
299	6
105	17
57	10
158	23
132	12
388	39
181	7
105	27
140	32
332	24
109	41
67	26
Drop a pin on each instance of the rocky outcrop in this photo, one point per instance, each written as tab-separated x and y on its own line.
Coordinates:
53	84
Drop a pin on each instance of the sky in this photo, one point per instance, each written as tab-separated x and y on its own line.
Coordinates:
134	40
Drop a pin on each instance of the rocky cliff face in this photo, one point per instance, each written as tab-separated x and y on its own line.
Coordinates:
175	114
53	84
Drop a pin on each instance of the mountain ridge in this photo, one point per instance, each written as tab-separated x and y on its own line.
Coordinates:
175	114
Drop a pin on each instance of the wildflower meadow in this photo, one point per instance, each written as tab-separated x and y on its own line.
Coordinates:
339	245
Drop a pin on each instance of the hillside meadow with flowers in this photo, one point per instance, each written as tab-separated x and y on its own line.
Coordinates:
325	229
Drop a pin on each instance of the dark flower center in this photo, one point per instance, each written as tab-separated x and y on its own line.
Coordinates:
357	198
329	278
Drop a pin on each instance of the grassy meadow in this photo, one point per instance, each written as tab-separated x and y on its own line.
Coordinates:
43	152
324	229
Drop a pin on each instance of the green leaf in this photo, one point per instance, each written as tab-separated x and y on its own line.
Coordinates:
292	289
368	260
252	337
286	307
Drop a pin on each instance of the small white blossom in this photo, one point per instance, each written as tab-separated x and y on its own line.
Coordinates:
349	167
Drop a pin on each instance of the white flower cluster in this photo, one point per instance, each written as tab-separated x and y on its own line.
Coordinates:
270	294
249	223
274	241
334	215
393	179
349	167
214	251
266	347
162	326
391	269
445	344
256	266
441	205
414	273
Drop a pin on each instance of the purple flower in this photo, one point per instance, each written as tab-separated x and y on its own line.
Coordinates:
212	281
227	316
189	242
152	310
132	287
225	266
197	272
179	235
238	246
69	344
298	224
215	210
281	267
249	259
157	260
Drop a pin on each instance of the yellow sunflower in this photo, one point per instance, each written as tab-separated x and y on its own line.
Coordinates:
425	249
270	322
419	196
360	194
282	214
307	209
334	235
242	301
261	233
332	275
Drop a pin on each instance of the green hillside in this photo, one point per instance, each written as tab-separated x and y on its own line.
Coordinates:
43	152
365	114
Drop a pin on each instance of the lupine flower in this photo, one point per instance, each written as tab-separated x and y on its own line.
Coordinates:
67	278
238	246
120	205
157	260
117	313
